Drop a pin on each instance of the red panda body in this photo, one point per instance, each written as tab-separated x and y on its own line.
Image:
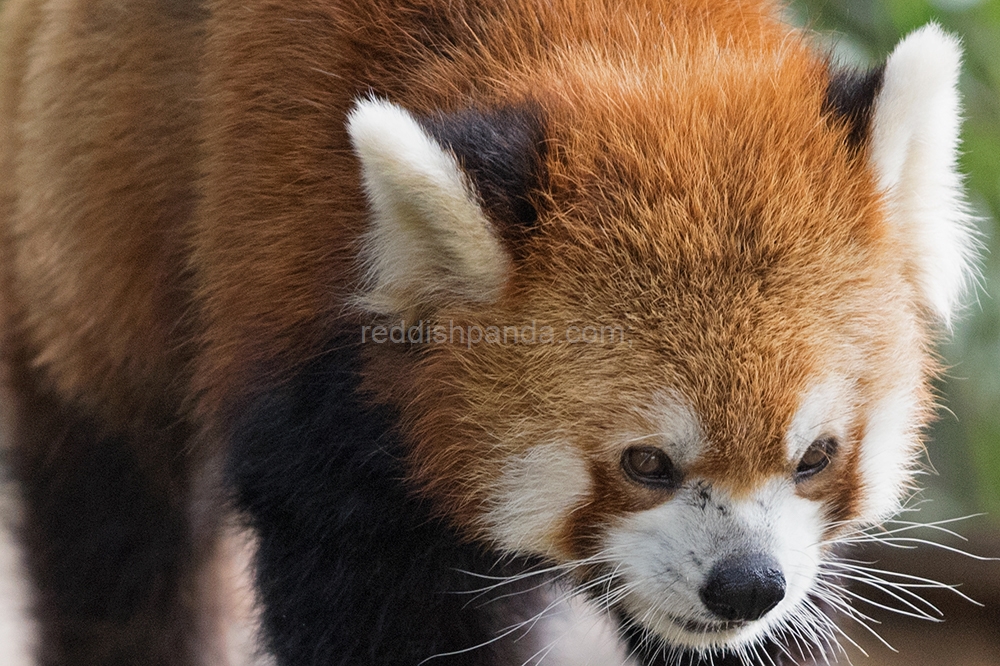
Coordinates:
457	303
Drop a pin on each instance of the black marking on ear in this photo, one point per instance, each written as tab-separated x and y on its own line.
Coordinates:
502	150
851	95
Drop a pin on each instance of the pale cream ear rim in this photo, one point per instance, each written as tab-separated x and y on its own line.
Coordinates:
914	153
429	236
921	72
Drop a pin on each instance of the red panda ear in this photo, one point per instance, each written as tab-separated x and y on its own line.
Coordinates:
446	194
914	150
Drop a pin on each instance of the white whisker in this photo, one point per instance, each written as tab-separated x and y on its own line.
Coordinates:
892	589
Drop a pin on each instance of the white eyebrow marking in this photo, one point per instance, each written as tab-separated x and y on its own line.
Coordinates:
675	425
826	408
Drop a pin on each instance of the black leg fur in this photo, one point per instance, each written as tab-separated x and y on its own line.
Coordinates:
351	568
106	532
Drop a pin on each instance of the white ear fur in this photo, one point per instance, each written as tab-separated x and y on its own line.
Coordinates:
429	238
915	131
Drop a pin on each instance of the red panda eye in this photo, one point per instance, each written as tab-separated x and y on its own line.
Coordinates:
816	458
650	466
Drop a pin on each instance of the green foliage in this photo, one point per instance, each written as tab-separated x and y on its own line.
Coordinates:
965	446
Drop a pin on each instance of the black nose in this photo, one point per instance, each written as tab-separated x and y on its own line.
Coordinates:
743	587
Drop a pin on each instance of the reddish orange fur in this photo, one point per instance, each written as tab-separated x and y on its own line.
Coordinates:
325	77
101	297
695	194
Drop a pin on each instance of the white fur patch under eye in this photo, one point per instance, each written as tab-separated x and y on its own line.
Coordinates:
429	238
533	496
914	151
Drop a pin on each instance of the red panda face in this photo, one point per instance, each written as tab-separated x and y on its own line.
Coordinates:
737	427
698	362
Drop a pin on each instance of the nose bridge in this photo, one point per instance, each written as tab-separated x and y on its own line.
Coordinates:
743	580
745	445
733	518
736	523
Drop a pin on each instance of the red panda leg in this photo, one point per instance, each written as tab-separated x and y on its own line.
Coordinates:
351	566
110	549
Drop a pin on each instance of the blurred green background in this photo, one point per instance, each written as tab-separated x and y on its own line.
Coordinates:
964	446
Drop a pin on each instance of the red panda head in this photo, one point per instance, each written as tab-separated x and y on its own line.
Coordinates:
670	328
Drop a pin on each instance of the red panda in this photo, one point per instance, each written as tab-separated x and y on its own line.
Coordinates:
476	313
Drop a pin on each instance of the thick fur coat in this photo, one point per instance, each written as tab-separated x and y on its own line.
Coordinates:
213	214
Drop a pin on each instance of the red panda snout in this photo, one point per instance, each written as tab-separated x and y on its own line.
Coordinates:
706	570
